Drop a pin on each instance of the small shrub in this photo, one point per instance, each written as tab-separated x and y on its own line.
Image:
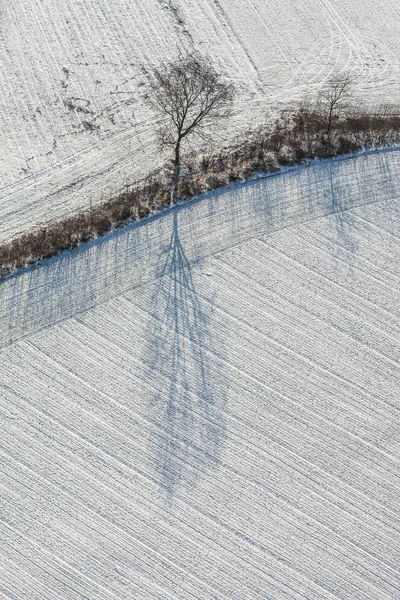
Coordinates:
215	180
205	163
285	157
346	145
143	210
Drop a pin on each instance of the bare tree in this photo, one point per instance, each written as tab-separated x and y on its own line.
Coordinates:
334	97
190	97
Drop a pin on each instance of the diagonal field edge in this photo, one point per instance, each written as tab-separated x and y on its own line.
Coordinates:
55	290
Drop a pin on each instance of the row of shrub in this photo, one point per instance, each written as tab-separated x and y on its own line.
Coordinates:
290	139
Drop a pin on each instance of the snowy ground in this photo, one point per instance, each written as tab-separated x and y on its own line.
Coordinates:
73	127
224	424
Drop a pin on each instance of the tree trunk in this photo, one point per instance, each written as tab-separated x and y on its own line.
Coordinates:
177	173
328	132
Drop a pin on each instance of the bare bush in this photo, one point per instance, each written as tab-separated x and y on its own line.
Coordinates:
334	98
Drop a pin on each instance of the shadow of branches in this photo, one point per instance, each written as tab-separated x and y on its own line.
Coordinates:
344	223
189	410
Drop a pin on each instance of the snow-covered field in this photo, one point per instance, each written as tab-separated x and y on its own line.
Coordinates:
73	127
208	407
204	405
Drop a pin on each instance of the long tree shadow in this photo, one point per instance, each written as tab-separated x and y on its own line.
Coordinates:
188	406
344	223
